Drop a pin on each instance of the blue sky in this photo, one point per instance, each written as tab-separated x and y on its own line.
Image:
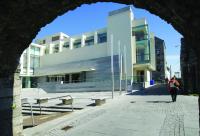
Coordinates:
91	17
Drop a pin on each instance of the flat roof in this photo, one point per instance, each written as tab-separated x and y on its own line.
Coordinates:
128	8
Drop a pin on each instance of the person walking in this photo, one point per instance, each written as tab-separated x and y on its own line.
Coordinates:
173	87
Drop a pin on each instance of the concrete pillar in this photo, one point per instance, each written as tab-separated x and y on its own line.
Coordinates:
21	64
50	48
71	43
61	46
70	78
95	38
10	106
83	40
42	51
28	60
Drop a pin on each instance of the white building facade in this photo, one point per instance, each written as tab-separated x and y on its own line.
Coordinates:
84	62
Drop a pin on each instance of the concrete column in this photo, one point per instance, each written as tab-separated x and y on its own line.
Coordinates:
42	51
71	40
10	106
21	63
28	60
50	48
70	78
83	40
95	38
28	82
60	45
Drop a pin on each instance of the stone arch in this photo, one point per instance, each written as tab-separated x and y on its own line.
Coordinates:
21	20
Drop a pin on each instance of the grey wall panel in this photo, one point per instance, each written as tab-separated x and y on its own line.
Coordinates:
97	80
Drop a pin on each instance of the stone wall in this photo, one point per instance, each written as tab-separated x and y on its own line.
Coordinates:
189	68
10	106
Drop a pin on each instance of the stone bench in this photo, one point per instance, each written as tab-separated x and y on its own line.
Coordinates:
99	101
67	100
41	100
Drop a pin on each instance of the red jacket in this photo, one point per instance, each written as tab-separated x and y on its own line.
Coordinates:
173	84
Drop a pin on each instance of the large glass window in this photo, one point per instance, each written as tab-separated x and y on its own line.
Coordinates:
35	50
139	35
34	61
56	48
43	41
55	38
157	51
102	37
89	41
68	78
141	56
77	43
66	45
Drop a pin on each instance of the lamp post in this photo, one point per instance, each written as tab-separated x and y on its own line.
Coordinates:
120	68
125	68
112	68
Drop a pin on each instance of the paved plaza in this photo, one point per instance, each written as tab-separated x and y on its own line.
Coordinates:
143	113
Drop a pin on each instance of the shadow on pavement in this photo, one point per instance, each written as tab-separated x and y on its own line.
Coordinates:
159	101
160	89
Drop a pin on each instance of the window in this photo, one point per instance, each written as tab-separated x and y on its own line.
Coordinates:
24	60
46	51
56	48
43	41
158	68
76	78
102	37
66	45
35	50
34	61
55	38
139	35
77	44
67	79
89	41
141	56
157	52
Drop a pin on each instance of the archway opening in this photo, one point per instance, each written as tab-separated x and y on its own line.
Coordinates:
152	20
170	16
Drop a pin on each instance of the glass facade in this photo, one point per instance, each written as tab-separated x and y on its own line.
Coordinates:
141	34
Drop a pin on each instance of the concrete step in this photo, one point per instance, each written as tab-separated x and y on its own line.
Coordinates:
46	109
24	112
53	107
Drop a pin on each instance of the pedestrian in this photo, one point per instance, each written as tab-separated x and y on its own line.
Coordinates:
173	87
